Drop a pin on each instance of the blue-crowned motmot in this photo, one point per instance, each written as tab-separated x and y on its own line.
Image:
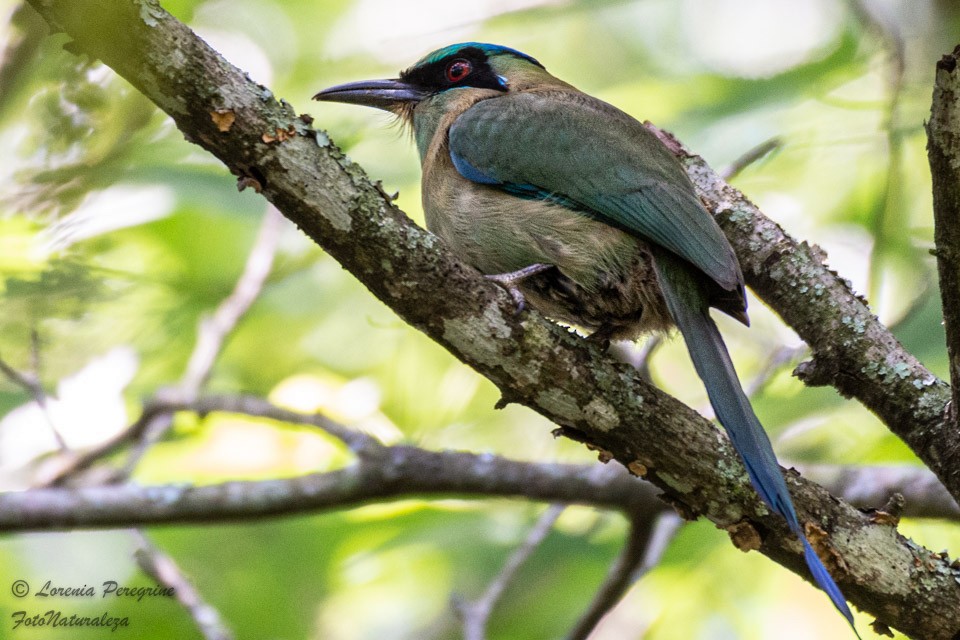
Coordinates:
580	210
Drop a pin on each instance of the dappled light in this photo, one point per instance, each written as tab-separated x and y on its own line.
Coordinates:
253	421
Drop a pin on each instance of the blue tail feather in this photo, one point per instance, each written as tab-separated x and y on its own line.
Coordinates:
712	363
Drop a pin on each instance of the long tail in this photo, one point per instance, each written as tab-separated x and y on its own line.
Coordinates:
688	307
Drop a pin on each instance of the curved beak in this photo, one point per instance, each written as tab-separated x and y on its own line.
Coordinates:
382	94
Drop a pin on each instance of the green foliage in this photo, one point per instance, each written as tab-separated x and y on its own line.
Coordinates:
115	232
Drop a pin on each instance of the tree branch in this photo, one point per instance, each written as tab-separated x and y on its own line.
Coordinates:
646	543
533	361
865	487
379	473
212	335
32	385
477	612
943	150
164	570
870	487
755	154
214	330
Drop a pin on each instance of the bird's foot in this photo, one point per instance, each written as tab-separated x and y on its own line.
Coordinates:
602	336
509	281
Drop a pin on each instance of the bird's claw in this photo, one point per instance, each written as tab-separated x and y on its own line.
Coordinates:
518	299
511	286
510	282
602	337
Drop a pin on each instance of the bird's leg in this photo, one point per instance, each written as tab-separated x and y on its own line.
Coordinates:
509	281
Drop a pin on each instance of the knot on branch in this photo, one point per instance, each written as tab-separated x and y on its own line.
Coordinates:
814	373
948	62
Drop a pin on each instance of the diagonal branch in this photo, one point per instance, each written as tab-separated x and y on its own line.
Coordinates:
476	613
214	331
537	363
647	540
31	384
164	570
753	155
212	334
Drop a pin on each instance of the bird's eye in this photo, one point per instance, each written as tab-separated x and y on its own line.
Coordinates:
458	70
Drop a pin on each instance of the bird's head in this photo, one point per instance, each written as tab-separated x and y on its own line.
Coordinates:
459	67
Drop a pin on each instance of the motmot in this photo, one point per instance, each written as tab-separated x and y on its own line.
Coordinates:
578	209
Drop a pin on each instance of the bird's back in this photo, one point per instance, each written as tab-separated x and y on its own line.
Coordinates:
527	177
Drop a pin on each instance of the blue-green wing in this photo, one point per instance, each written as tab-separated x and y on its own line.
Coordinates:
571	147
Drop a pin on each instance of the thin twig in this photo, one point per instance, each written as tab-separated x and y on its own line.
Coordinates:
165	404
871	487
645	546
151	434
778	360
756	154
16	377
212	334
214	330
771	367
165	571
476	613
664	530
73	462
31	384
360	443
889	204
640	358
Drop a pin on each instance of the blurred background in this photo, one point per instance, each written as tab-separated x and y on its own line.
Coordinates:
117	237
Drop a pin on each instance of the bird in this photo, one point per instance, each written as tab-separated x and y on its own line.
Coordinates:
580	211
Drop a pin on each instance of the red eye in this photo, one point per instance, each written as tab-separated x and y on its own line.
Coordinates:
458	70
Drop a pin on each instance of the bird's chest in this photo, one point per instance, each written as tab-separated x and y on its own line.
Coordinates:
604	278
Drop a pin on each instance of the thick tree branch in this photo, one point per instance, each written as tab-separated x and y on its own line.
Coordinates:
536	363
943	150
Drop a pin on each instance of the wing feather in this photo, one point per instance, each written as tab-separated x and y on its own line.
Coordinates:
619	172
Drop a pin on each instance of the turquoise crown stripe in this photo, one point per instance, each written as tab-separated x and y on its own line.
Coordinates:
489	49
